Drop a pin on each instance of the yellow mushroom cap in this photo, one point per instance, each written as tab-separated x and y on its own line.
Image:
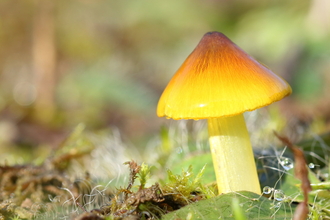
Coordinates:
219	79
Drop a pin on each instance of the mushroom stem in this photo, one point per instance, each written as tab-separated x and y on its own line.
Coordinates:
232	155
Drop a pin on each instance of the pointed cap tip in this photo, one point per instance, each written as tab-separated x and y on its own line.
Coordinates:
219	79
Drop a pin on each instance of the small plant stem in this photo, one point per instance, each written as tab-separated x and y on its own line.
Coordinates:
232	155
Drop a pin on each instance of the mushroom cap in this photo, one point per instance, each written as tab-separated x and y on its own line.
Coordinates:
219	79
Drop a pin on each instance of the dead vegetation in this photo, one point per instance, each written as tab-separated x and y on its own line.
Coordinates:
28	191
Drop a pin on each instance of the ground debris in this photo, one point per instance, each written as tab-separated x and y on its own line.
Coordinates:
139	202
22	187
28	190
89	216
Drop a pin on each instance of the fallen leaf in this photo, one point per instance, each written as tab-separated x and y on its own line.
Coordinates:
301	172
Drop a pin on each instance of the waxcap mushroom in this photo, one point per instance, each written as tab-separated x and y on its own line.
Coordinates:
219	79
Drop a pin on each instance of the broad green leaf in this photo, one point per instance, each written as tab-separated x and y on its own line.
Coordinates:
251	205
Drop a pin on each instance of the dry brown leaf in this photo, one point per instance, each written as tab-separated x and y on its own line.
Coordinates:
301	172
301	212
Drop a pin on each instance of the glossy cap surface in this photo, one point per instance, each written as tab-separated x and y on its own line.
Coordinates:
219	79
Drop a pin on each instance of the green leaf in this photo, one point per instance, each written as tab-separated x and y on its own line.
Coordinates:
252	205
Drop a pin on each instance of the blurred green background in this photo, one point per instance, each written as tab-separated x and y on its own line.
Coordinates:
106	63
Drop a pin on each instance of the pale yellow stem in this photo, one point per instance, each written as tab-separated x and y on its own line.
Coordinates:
232	155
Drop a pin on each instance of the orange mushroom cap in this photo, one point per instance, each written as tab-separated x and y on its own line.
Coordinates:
219	79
